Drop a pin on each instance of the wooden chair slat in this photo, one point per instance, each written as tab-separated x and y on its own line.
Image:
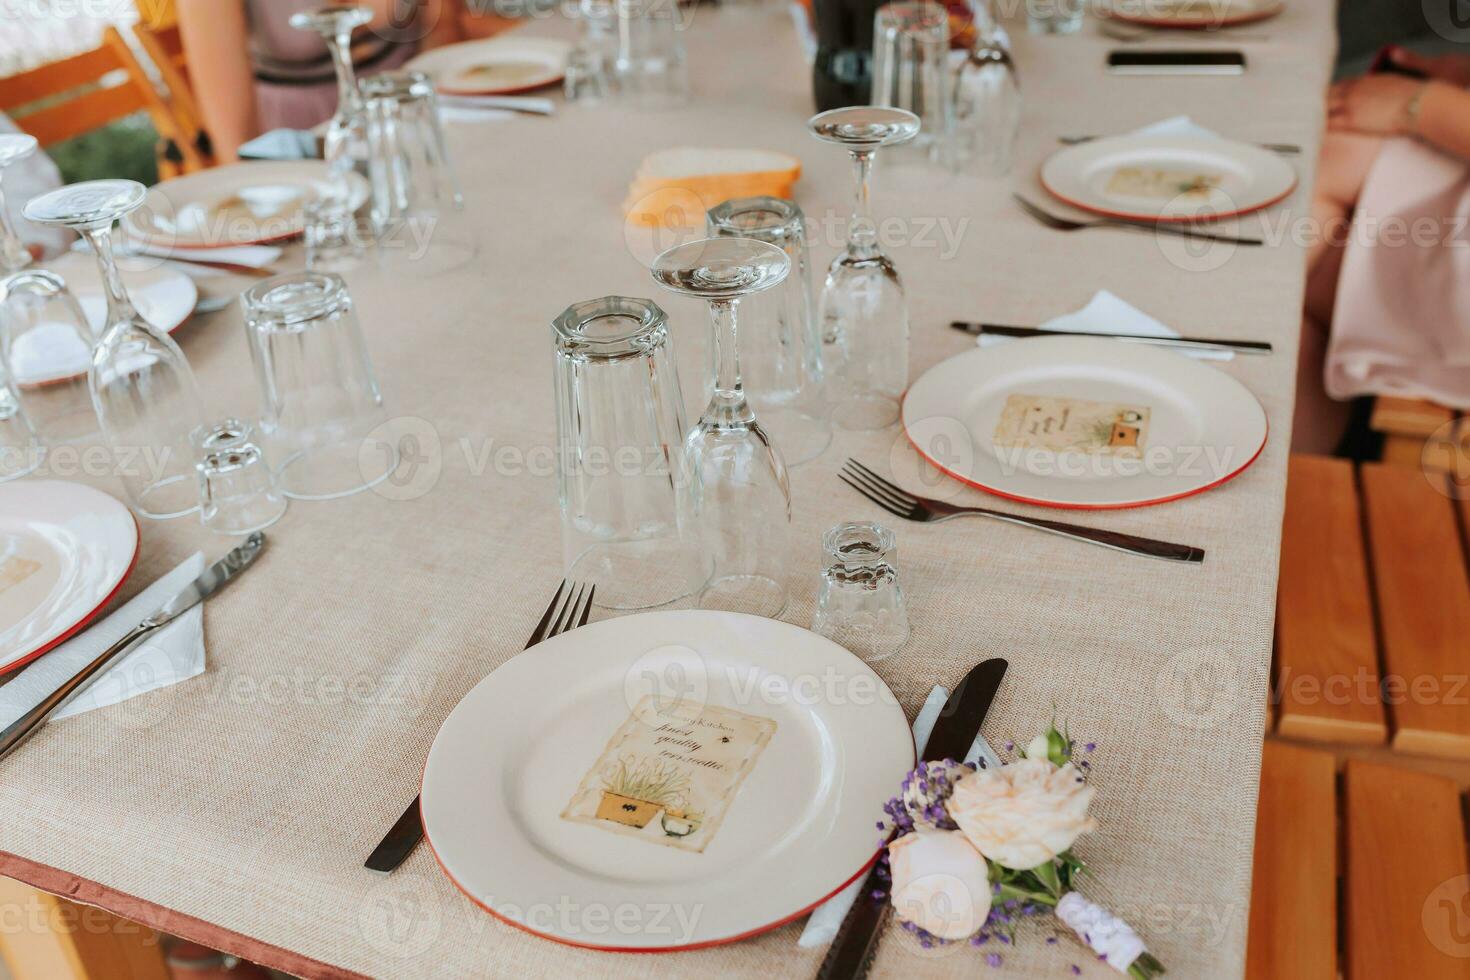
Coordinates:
79	942
1326	658
62	122
1293	917
56	78
1405	849
1407	416
1423	609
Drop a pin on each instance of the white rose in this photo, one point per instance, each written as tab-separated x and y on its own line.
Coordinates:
1024	814
940	883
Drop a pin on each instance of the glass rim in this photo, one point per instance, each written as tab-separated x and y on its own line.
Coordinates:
912	17
296	297
624	325
881	541
786	224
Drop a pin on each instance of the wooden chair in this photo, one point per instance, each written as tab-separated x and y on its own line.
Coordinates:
53	938
165	48
76	95
1373	570
1389	841
1414	432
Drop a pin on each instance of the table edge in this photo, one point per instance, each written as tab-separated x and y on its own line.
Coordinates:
87	892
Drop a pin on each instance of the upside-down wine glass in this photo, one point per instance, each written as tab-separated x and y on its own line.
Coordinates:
14	256
742	500
142	387
345	142
864	315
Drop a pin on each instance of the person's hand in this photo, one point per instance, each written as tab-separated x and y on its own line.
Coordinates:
1376	104
1452	68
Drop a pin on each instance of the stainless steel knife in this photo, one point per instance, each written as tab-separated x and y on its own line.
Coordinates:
1189	343
214	578
852	951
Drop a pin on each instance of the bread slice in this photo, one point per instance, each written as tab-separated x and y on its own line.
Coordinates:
674	187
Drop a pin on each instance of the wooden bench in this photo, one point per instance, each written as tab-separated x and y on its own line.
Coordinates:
1373	609
1416	433
1386	842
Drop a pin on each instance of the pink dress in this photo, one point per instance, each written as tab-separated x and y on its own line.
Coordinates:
295	86
1401	323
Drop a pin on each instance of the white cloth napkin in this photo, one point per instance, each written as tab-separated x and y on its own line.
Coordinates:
174	653
1106	313
1176	126
827	918
473	114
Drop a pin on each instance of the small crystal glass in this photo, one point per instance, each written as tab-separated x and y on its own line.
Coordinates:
1055	16
331	235
627	516
320	407
590	65
47	339
860	604
142	387
14	256
650	66
911	67
345	143
738	478
237	489
417	204
863	312
21	451
782	349
987	110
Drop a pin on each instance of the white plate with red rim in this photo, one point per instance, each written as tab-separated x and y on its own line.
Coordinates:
239	204
164	297
1195	14
1201	426
1144	177
65	550
495	66
529	810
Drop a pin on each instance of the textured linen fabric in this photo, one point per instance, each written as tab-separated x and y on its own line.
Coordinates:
239	805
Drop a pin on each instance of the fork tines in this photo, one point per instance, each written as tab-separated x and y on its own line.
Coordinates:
889	496
569	609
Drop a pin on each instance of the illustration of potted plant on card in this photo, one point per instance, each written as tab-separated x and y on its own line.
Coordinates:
634	792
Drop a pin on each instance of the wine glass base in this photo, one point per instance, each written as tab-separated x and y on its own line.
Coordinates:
339	470
800	437
758	595
637	574
169	498
17	461
866	413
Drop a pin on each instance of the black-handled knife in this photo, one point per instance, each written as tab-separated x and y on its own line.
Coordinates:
1194	343
857	941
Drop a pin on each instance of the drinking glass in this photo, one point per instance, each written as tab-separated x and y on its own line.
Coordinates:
651	67
627	514
330	234
911	67
237	489
987	109
416	196
738	478
47	340
590	64
1055	16
782	348
20	446
345	143
320	407
860	604
864	315
14	256
142	387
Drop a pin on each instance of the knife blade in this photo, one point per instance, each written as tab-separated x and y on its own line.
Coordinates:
861	932
214	578
1196	343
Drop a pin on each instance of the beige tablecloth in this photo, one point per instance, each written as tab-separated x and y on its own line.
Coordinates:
239	806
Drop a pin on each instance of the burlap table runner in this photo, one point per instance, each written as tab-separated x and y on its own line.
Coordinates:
239	806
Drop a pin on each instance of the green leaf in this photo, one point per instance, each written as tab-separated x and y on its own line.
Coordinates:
1047	875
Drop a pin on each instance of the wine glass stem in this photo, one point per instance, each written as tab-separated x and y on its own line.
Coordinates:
119	306
14	256
862	236
728	408
340	46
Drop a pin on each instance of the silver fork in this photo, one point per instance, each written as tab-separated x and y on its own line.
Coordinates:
1068	224
560	617
901	503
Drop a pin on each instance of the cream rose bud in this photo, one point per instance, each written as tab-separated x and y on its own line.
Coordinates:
939	883
1037	748
1023	814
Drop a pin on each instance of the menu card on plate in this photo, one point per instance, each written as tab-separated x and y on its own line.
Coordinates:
1072	425
670	772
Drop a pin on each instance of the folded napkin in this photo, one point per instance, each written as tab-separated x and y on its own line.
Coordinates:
282	144
473	114
186	259
827	918
1176	126
174	653
1106	313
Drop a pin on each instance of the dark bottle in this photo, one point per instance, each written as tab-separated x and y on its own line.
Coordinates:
842	74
